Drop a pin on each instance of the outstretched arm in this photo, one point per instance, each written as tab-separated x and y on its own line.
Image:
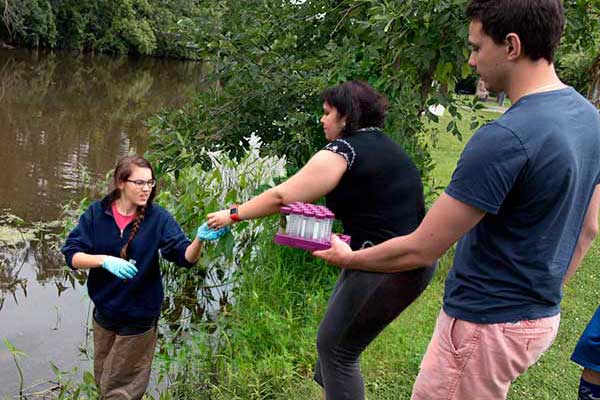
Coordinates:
446	222
318	177
203	234
192	252
588	233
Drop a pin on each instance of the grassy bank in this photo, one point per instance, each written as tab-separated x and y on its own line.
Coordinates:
272	328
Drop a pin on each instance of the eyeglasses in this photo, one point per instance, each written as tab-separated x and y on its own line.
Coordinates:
140	183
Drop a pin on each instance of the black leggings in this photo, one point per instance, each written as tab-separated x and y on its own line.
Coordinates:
361	306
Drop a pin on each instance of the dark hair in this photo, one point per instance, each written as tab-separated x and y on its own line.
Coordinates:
538	23
362	106
121	174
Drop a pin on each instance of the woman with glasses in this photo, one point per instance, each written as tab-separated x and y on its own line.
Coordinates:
118	239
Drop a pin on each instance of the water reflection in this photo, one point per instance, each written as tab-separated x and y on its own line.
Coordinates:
64	121
38	317
65	118
12	261
40	256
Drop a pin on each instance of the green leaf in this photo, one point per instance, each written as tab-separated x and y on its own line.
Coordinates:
88	378
229	244
13	350
57	372
9	345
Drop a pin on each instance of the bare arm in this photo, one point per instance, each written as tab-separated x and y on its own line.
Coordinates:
446	222
318	177
192	253
85	261
588	233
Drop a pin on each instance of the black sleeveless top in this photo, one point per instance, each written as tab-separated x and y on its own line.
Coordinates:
380	196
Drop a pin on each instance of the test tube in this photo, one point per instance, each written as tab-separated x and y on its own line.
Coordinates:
309	214
319	223
295	224
329	225
284	221
302	223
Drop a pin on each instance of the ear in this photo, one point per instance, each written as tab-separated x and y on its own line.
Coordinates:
513	46
121	185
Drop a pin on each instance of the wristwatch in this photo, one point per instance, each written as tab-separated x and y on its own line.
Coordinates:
233	214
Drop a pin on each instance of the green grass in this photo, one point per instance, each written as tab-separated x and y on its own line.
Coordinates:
271	330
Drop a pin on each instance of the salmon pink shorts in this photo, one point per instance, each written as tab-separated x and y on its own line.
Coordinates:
469	361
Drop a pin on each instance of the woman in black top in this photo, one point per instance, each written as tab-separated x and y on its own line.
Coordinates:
375	189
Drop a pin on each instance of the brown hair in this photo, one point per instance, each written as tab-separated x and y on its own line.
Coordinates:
121	174
539	23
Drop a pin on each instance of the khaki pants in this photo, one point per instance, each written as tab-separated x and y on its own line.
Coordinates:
122	364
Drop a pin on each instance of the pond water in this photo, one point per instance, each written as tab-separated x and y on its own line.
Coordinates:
64	121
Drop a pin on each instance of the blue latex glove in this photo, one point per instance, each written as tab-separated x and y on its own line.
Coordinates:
205	233
120	268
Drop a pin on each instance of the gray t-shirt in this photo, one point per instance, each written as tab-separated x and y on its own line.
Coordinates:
533	172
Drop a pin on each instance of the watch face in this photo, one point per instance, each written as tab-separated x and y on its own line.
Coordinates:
232	211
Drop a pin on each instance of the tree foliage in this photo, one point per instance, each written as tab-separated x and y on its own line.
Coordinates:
32	21
271	59
578	58
116	26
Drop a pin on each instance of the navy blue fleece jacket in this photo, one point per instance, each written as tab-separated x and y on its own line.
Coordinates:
141	296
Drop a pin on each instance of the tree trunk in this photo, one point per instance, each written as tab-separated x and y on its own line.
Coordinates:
7	15
594	93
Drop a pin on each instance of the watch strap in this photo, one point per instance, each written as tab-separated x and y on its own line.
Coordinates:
233	214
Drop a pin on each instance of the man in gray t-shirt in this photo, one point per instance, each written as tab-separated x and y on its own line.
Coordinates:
522	204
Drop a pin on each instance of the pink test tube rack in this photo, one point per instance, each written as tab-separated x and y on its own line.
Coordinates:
306	226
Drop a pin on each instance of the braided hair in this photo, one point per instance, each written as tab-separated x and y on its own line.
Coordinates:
122	172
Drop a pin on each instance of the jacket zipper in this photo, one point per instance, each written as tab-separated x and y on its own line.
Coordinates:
119	229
